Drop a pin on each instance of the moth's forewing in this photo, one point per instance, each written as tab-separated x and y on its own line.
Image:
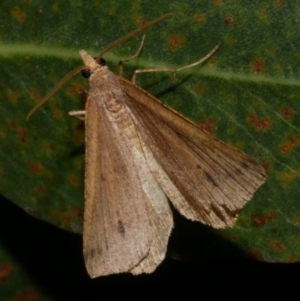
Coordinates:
214	179
127	218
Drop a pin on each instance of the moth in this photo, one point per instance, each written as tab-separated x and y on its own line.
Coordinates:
141	155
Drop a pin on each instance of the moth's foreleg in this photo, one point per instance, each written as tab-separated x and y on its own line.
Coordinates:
127	59
77	114
174	70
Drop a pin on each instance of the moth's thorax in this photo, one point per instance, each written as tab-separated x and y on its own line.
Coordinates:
106	89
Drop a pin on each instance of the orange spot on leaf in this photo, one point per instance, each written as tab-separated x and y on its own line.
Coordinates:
207	125
176	41
56	213
261	13
228	20
272	215
5	271
199	89
18	14
35	168
12	97
199	17
230	41
277	245
255	254
23	135
66	219
292	259
13	125
296	221
259	124
140	21
22	132
34	94
73	180
217	2
286	113
289	145
288	176
75	211
280	3
26	295
257	66
258	220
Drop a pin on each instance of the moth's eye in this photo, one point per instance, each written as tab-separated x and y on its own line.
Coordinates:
86	73
101	61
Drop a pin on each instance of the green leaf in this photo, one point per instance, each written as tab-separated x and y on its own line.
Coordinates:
246	95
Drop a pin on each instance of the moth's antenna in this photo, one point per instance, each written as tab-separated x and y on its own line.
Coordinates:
75	71
132	34
56	87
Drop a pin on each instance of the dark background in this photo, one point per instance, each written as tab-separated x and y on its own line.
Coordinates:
53	259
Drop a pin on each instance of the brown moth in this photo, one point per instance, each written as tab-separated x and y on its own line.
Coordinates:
140	155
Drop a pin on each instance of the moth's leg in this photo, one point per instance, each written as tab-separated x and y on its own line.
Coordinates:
77	114
174	70
127	59
83	95
80	114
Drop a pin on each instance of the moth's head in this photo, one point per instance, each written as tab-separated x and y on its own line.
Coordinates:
91	64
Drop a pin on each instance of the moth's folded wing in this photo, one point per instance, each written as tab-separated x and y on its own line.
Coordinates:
162	220
213	180
119	217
